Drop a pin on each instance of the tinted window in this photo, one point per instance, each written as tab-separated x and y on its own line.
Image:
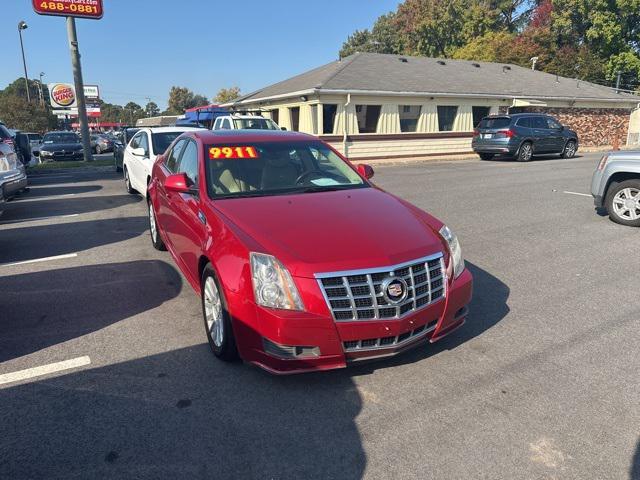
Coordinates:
524	122
539	122
495	122
129	132
61	138
257	123
409	115
172	158
189	162
553	124
135	141
446	117
479	113
34	137
162	140
368	118
328	117
226	124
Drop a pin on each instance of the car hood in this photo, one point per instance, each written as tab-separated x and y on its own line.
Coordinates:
333	231
55	147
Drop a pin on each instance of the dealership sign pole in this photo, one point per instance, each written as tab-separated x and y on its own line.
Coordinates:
72	9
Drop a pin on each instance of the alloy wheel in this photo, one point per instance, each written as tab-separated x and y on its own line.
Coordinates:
570	150
526	153
626	204
213	312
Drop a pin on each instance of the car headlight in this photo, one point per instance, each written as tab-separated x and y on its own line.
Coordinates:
45	152
272	283
454	248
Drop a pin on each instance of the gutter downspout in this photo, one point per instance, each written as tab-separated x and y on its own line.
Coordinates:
344	137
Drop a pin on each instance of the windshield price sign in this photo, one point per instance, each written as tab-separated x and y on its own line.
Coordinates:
217	153
69	8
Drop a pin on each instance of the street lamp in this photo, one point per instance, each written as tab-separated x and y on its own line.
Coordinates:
23	26
41	91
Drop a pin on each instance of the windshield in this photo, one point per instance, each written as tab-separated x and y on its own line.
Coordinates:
248	170
257	123
34	137
161	141
61	138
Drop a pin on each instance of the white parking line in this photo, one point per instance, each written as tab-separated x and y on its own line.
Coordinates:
37	219
576	193
50	197
44	370
37	260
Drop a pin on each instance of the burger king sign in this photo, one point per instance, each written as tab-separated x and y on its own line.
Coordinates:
62	95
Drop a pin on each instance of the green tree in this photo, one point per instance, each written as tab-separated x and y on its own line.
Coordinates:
226	95
151	109
181	98
133	112
17	113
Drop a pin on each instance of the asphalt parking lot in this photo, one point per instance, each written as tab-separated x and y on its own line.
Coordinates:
541	383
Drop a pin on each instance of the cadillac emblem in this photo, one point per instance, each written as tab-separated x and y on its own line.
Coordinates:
394	290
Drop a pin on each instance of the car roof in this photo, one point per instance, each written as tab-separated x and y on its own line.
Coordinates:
169	129
223	136
61	131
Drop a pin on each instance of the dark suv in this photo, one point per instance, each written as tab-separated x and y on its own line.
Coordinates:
523	135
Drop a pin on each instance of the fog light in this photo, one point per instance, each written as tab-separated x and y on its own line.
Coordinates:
289	351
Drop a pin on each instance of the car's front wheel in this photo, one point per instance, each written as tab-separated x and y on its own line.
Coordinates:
217	322
623	202
525	152
569	149
486	156
156	239
127	182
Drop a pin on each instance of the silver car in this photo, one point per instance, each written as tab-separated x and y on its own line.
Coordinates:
615	186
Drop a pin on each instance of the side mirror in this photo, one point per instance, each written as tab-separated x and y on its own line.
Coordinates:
365	170
36	153
283	128
139	152
179	183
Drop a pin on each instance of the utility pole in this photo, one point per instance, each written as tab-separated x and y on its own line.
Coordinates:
618	82
23	26
77	78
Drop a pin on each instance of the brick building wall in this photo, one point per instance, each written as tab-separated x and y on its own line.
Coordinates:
595	127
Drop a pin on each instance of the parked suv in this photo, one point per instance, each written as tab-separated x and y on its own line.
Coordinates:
244	122
523	135
616	187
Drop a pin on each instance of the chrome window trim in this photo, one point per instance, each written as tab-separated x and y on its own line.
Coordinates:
369	271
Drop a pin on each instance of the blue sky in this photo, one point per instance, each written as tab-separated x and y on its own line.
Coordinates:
141	48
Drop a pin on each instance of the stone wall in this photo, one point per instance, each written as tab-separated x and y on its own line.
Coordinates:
595	127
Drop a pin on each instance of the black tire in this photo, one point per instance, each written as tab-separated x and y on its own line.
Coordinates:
525	152
127	183
569	150
486	156
613	191
154	229
227	349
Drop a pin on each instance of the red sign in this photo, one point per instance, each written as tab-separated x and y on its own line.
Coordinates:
221	153
69	8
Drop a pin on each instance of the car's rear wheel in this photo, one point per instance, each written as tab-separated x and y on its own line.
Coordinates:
127	182
486	156
217	322
623	202
154	232
525	152
569	149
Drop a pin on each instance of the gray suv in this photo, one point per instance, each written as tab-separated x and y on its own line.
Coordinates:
523	135
616	186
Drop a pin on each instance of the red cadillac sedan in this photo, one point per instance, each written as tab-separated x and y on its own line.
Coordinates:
301	263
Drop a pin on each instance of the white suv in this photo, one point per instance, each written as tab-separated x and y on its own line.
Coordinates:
244	122
141	153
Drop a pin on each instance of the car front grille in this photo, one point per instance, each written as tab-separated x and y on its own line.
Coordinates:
389	342
357	295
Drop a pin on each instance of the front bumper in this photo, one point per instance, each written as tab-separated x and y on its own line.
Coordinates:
59	156
290	328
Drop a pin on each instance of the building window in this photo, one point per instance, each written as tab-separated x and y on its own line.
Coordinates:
446	117
409	115
275	115
479	113
368	117
295	118
328	117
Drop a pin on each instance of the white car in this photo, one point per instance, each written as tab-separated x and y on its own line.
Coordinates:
141	153
244	122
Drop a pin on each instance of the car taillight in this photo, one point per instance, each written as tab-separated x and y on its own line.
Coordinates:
603	162
476	132
505	133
